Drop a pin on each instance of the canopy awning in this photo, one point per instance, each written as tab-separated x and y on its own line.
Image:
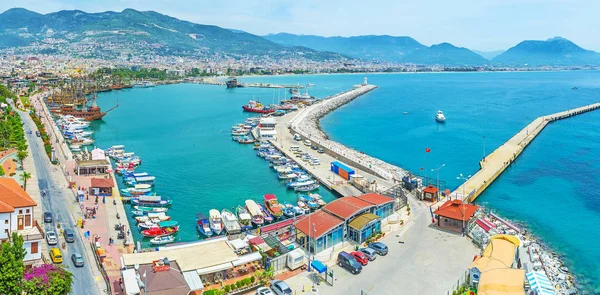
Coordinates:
214	268
130	282
254	256
193	280
238	244
359	222
540	283
318	266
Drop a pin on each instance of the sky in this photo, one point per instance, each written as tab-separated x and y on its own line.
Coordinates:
477	24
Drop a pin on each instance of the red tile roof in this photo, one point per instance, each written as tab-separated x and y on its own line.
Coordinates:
279	225
454	210
430	189
323	222
102	182
376	199
346	207
6	208
12	194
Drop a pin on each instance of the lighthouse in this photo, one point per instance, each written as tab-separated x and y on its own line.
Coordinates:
365	81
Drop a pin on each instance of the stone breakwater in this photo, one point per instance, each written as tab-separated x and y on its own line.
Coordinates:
306	123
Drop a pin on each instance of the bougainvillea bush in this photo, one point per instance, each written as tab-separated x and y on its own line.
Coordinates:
47	279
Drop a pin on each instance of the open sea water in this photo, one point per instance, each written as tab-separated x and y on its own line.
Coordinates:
182	134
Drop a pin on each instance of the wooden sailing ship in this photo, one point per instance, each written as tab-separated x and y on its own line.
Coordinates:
74	101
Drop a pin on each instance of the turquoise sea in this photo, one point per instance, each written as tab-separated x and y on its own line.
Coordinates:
182	133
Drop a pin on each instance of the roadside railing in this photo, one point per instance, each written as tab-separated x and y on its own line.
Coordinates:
101	268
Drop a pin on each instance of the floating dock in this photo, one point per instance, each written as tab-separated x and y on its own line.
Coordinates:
496	162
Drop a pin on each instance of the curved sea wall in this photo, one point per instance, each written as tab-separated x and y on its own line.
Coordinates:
306	123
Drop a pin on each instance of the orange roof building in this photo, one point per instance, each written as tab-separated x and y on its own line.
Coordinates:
13	196
430	193
454	214
319	231
348	207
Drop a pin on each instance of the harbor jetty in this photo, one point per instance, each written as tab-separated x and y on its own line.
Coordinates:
378	176
496	162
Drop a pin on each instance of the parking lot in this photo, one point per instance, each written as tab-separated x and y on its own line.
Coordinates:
421	260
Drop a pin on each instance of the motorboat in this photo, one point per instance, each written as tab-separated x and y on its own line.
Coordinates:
257	216
150	209
230	221
157	217
160	231
268	217
290	175
309	201
440	117
299	211
307	188
303	207
151	201
216	223
296	184
203	225
244	218
162	240
147	225
273	205
288	210
318	199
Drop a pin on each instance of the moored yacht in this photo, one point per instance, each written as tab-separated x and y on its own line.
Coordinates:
440	117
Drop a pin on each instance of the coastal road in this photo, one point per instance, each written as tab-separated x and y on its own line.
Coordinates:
58	199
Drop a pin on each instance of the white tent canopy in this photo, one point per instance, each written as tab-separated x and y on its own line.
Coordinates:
214	268
540	283
254	256
238	244
130	281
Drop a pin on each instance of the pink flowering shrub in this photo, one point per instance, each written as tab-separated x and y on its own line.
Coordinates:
47	279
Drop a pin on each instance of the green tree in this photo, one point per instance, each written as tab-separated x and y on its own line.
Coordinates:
24	177
21	155
11	265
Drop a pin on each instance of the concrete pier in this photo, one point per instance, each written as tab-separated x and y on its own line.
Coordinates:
496	162
305	123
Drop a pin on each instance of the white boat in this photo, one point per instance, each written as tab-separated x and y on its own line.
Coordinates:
231	222
440	117
216	223
161	240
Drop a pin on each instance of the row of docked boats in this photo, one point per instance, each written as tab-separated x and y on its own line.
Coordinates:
254	214
74	131
241	132
255	106
287	169
148	209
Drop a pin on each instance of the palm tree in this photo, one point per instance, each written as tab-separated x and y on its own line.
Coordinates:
22	155
24	177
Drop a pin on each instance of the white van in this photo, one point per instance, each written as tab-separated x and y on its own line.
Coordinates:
307	143
297	137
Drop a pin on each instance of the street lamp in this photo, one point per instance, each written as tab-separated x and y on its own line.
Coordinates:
145	286
437	181
463	200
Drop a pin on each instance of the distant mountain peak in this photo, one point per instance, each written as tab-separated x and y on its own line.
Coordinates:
556	51
558	38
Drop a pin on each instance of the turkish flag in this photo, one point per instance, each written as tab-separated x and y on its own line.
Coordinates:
427	150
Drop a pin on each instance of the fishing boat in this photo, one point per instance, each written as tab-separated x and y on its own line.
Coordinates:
160	231
203	225
288	210
147	225
440	117
216	223
150	209
304	207
273	205
268	217
307	188
157	217
257	216
162	240
230	221
318	199
295	184
299	211
290	175
151	201
256	107
309	201
244	218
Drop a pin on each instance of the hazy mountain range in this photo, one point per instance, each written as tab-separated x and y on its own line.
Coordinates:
148	32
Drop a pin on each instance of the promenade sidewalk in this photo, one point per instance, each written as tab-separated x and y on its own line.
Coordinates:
103	226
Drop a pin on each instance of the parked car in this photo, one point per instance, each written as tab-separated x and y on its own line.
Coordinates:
360	257
314	147
348	262
297	137
77	260
55	255
38	134
320	150
51	238
379	247
370	253
280	288
307	143
264	291
48	217
68	235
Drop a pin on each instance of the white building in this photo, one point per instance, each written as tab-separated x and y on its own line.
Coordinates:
16	214
266	129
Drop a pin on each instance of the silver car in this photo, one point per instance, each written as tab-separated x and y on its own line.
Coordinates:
370	253
51	238
264	291
281	288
